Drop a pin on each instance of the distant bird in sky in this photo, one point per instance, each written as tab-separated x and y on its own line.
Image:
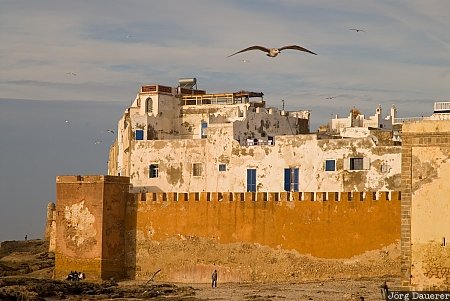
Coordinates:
110	131
273	52
67	121
245	61
71	73
331	97
97	141
357	30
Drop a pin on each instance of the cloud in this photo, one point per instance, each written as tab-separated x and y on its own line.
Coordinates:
115	46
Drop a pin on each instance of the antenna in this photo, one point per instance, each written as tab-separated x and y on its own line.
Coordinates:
282	104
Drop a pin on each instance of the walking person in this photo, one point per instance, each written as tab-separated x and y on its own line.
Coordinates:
384	290
214	279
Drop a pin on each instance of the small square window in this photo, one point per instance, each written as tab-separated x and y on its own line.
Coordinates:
139	134
197	169
385	168
222	167
330	165
153	171
356	163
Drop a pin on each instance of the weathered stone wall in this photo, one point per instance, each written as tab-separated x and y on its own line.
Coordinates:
90	222
426	205
115	195
300	222
50	227
176	158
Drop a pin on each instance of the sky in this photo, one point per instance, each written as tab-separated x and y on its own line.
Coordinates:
68	70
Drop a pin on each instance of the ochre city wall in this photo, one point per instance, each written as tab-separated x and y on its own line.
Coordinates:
343	225
104	231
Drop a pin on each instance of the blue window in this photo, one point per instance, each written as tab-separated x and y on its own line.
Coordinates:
139	134
251	180
330	165
291	179
204	129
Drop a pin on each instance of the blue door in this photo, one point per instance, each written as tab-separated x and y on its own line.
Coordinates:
291	179
251	180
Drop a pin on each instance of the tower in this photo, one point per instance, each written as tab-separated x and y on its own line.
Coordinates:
90	232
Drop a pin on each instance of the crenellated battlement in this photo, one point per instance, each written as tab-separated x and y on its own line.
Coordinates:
323	224
350	196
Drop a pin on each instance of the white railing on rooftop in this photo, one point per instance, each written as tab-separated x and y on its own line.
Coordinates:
208	99
441	106
409	119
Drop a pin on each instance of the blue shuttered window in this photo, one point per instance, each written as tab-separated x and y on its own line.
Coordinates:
291	179
251	180
287	179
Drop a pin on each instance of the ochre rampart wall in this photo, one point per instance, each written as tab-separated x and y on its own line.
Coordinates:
341	226
104	231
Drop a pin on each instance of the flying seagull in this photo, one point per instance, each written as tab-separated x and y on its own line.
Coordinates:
357	30
110	131
273	52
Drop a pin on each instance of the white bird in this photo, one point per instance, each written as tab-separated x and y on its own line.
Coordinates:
97	141
110	131
357	30
331	97
273	52
67	121
71	73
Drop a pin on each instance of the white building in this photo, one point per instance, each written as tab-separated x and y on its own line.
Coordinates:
184	140
357	125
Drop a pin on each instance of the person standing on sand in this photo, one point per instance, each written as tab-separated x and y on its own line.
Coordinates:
214	279
384	290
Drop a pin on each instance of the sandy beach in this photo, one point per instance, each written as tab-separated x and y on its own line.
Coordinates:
26	269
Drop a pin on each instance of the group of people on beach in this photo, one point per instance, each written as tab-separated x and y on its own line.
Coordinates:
75	276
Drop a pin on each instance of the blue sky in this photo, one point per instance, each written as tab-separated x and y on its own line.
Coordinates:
113	47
